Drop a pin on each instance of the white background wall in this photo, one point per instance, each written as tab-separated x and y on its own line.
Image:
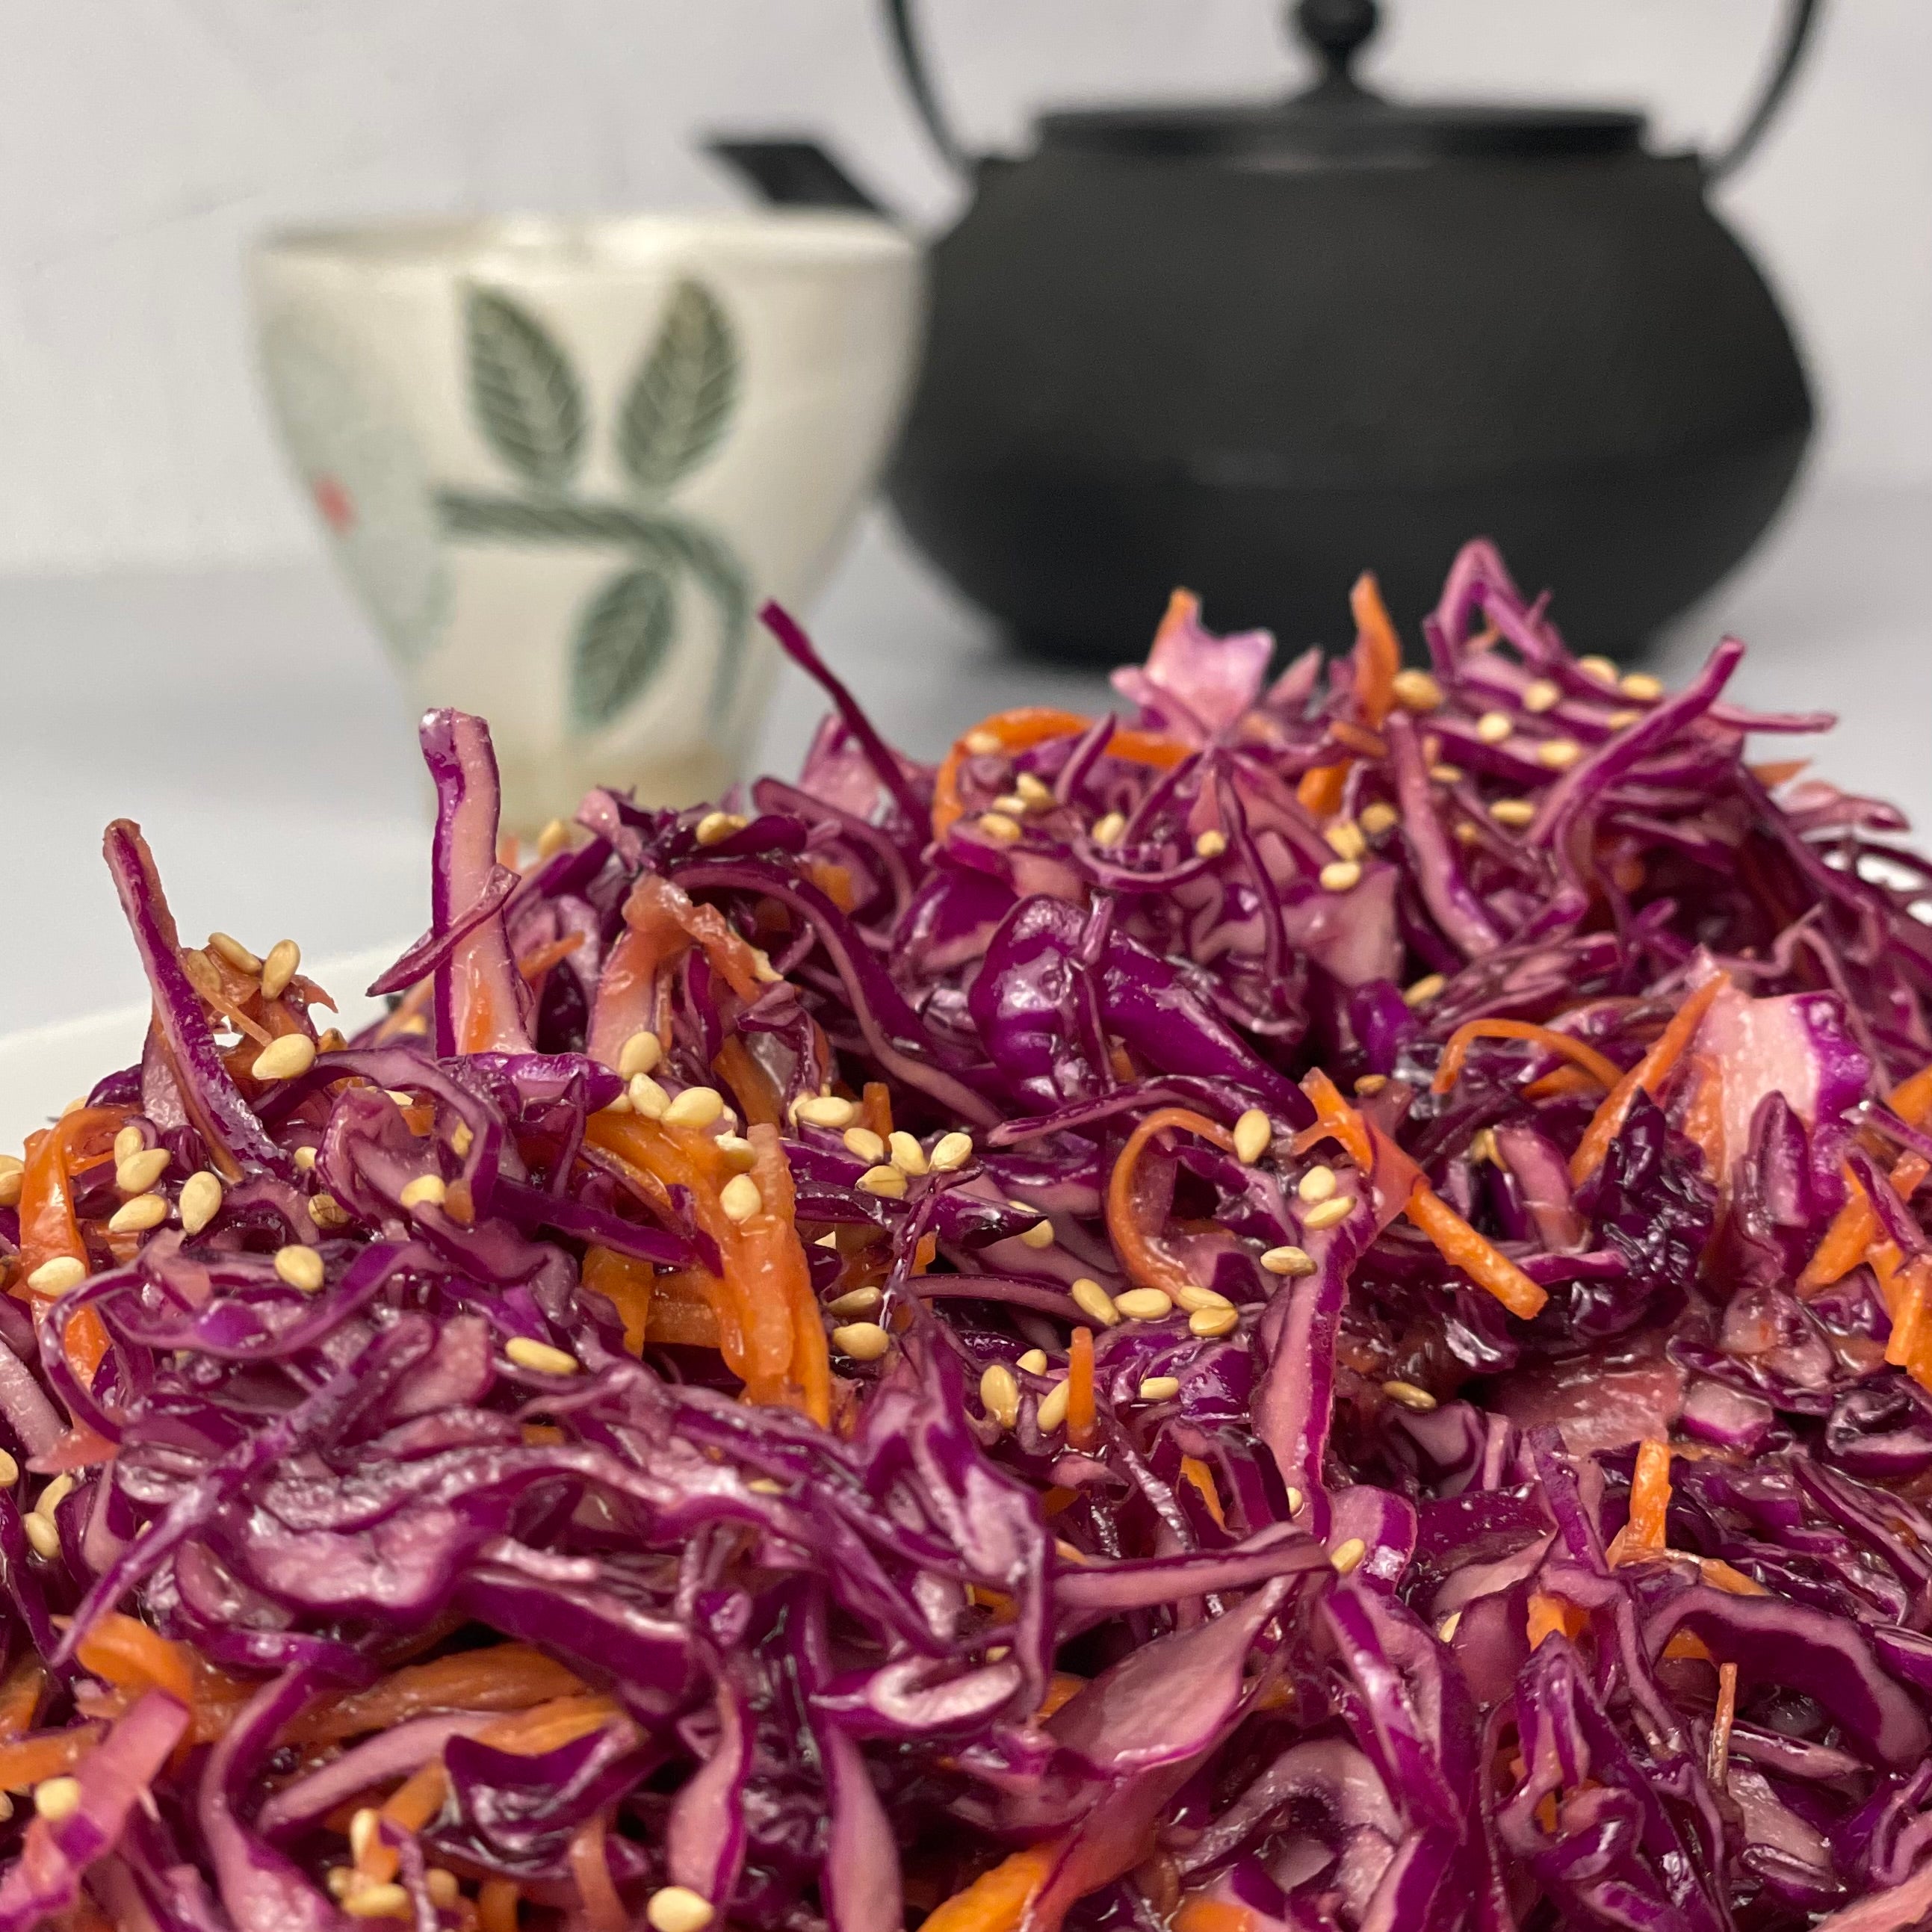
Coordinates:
143	142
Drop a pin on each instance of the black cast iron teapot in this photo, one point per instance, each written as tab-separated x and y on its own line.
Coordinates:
1252	349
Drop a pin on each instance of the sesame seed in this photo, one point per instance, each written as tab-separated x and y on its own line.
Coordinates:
1144	1304
365	1834
762	970
1445	774
1446	1629
863	1341
1000	1395
387	1900
1346	1556
1052	1411
981	745
695	1107
300	1267
1465	832
647	1097
827	1110
766	1485
1317	1184
1345	839
1254	1135
950	1151
427	1190
57	1798
1031	787
1192	1296
57	1276
1483	1146
1033	1361
540	1357
1327	1213
1160	1388
1288	1260
640	1054
1409	1395
886	1182
1517	811
999	828
737	1150
855	1301
863	1144
137	1216
739	1198
1599	666
1208	1322
1368	1084
43	1534
1011	805
908	1156
279	968
1340	875
1039	1235
127	1143
231	949
1493	726
13	1178
282	1059
1641	686
677	1908
553	838
1107	831
1540	695
1293	1500
139	1172
325	1211
1378	818
1416	691
10	1470
58	1488
1421	991
716	827
1617	720
1210	844
1559	753
74	1105
1095	1302
201	1198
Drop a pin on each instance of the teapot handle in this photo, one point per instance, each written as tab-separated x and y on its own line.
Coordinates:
1801	17
918	84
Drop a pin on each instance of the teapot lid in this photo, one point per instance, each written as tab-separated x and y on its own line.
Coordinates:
1339	120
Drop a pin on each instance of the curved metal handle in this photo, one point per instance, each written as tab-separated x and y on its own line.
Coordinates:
918	83
1801	17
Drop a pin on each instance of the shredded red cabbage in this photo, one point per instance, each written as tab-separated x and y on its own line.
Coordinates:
1307	1309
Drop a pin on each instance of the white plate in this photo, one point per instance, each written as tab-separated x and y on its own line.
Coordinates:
43	1068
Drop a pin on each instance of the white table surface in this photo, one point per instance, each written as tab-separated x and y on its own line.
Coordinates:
246	718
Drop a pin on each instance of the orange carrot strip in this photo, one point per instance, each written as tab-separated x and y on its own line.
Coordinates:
534	965
626	1282
125	1652
20	1697
1197	1472
1478	1258
76	1141
751	1086
676	1323
875	1107
1720	1576
1031	724
1776	771
996	1900
1062	1687
26	1761
1559	1080
772	1257
1147	1264
419	1798
1197	1912
504	1677
1378	650
1648	1074
1080	1415
550	1726
1650	1498
1600	1067
1548	1615
1683	1645
1322	788
1335	1119
1908	1285
590	1870
1854	1227
1721	1721
1704	1117
496	1900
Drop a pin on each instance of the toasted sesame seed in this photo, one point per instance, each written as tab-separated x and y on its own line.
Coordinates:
305	1158
1327	1213
57	1798
1192	1296
1144	1304
1368	1084
1416	690
13	1178
553	838
138	1214
739	1198
540	1357
1409	1395
231	949
1446	1629
950	1151
886	1182
855	1301
1483	1146
827	1110
1095	1302
387	1900
1107	831
1605	668
738	1151
1641	686
1517	812
640	1054
716	827
1052	1411
57	1276
1340	875
139	1172
43	1535
1559	754
1346	1556
300	1267
1464	832
907	1156
1000	1394
1293	1500
1207	1322
58	1488
863	1341
1446	774
1033	1361
1034	790
1618	720
128	1142
999	828
1345	839
10	1470
1493	726
1211	844
1420	992
647	1098
325	1211
365	1833
677	1908
200	1200
1376	818
1254	1135
1160	1388
1039	1235
695	1107
863	1144
279	968
1539	694
283	1059
1288	1260
980	744
427	1190
1317	1184
1010	804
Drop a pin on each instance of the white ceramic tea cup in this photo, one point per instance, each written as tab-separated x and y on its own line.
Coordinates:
562	462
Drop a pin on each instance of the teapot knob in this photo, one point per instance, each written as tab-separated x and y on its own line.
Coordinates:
1336	29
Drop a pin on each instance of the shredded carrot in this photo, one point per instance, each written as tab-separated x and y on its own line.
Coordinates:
550	1726
43	1754
626	1282
419	1798
1322	788
1031	724
1354	738
1062	1687
771	1253
1600	1067
1080	1416
1148	1264
1479	1258
1720	1576
680	1318
1682	1646
1197	1912
78	1141
496	1900
534	965
1650	1502
1648	1075
124	1651
504	1677
1560	1080
1335	1119
20	1697
996	1900
1377	653
1721	1720
875	1107
751	1086
1197	1472
1908	1285
1704	1117
1854	1227
1549	1614
1776	771
590	1869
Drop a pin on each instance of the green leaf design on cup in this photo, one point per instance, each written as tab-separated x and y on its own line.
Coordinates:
683	393
621	642
527	401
